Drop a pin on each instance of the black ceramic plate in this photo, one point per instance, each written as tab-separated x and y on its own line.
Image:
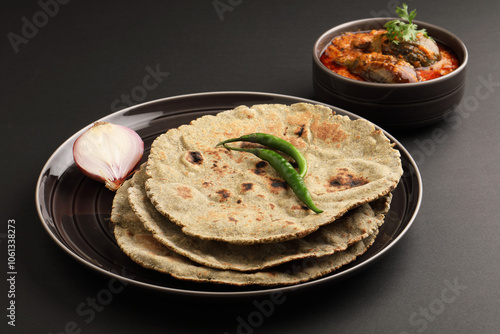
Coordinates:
75	210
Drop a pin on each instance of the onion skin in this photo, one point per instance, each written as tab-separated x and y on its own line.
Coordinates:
108	153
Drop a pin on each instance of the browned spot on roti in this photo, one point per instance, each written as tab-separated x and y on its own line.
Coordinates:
328	132
344	179
246	187
260	167
261	164
194	157
224	194
300	131
184	192
277	185
220	168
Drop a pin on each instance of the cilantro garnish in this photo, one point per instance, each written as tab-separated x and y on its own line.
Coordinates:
400	31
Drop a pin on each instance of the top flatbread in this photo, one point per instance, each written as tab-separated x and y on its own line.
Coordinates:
216	194
355	225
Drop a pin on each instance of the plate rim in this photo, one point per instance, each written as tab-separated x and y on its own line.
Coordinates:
263	290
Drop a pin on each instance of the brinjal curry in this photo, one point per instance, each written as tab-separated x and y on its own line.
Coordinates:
382	56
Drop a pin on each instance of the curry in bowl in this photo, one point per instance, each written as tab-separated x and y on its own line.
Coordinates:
371	56
398	54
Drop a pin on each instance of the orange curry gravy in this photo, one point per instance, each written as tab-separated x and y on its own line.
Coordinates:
447	64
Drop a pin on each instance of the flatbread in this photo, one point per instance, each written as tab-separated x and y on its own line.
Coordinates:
354	226
139	244
216	194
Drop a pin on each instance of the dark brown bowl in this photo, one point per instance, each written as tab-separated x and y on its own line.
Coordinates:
402	105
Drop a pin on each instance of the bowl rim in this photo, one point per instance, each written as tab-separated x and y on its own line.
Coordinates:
368	84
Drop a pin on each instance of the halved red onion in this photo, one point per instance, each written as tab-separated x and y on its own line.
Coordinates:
108	153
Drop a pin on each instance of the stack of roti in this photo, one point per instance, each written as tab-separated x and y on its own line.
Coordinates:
203	213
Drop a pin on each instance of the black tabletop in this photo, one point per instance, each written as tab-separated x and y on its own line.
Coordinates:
65	64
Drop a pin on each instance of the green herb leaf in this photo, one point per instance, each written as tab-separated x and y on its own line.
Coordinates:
400	31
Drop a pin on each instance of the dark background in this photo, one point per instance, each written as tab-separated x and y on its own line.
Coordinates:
71	71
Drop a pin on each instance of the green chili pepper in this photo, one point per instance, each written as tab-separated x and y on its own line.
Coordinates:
275	143
286	170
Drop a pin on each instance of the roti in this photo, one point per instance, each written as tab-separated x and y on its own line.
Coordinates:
215	194
354	226
140	245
